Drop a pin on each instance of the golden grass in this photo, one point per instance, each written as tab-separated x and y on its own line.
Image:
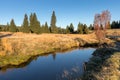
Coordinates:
113	32
32	44
21	43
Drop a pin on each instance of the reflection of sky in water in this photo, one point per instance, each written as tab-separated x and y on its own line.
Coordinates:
51	67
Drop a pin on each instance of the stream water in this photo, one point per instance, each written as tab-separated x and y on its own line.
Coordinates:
55	66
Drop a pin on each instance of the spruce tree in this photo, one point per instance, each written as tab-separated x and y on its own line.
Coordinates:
91	27
67	29
80	28
34	24
53	27
12	27
85	29
31	23
42	29
46	28
25	25
71	28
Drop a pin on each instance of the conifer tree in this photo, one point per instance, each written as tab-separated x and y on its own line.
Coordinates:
85	29
115	25
67	29
34	24
80	28
25	25
91	27
12	27
53	27
71	28
46	28
42	29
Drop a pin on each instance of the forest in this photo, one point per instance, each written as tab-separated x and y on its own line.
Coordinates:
31	24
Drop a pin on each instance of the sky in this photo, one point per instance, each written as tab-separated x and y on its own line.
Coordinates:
67	11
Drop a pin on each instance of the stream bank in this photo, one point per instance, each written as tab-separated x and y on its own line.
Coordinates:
104	65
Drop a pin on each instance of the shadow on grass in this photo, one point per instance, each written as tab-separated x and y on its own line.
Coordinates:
6	35
99	61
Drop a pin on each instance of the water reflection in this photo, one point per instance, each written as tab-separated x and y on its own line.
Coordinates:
4	69
66	65
54	56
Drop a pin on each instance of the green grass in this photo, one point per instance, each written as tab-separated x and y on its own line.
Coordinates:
13	60
17	59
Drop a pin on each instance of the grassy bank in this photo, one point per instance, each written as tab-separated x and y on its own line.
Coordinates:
17	48
104	65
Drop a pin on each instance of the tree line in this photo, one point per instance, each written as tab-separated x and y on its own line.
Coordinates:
31	24
115	25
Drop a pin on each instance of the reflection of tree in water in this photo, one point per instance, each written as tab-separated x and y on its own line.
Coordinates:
54	56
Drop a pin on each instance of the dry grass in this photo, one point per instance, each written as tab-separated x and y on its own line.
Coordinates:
21	43
33	44
26	45
113	32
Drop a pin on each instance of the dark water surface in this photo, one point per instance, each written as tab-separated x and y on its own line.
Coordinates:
57	66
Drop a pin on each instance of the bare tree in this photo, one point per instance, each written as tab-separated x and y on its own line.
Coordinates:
105	19
101	23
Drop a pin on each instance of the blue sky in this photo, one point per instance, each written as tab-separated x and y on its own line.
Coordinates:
67	11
